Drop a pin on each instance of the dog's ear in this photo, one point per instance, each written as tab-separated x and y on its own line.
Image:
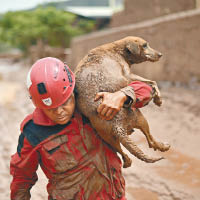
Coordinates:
133	48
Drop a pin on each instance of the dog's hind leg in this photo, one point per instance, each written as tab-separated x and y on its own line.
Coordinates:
142	124
124	139
116	145
112	140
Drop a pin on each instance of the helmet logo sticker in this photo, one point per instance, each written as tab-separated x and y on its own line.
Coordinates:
47	101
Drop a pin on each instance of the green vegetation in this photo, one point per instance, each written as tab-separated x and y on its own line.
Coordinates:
54	27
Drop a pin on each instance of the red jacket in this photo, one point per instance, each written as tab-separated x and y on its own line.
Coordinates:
77	163
72	157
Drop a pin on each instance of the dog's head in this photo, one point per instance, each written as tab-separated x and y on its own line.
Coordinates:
137	50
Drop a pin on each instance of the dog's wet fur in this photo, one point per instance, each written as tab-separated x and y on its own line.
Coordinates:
107	69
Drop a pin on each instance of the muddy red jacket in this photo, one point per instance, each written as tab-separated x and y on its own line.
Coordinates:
77	163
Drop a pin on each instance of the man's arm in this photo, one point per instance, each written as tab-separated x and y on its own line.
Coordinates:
23	168
111	104
136	94
143	94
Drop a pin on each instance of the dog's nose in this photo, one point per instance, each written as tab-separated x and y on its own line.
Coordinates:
159	54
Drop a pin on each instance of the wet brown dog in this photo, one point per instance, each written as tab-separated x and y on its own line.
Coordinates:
107	69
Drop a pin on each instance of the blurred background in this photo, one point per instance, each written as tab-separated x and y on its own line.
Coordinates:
68	29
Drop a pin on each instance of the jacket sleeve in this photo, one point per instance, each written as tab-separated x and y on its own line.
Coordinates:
139	94
23	168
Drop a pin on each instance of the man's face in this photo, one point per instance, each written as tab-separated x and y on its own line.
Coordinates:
63	113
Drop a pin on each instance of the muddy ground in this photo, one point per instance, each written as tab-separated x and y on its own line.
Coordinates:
177	177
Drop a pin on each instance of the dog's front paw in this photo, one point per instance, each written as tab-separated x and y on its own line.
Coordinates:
157	100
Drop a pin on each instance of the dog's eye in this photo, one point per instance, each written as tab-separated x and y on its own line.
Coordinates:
128	51
144	45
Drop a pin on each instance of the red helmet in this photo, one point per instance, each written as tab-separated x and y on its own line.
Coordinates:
50	83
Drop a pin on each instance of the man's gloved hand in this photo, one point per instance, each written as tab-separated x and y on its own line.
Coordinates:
111	104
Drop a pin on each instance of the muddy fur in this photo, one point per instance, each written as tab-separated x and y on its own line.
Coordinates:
107	69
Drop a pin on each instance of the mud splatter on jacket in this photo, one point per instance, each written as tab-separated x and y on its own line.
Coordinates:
74	159
77	163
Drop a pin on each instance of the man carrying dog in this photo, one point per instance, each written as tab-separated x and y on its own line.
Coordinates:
77	163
